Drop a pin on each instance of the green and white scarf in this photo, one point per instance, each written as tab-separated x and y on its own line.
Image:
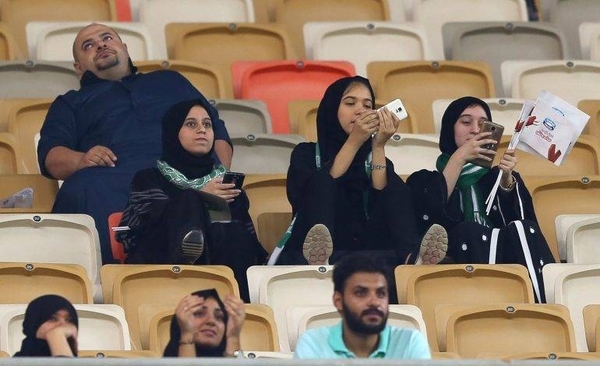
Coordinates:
471	200
177	178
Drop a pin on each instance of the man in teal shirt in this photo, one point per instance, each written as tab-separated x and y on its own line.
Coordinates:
361	297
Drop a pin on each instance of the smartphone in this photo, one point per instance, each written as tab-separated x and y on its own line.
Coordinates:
397	108
497	130
234	177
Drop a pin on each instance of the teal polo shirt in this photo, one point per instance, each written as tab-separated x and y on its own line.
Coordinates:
394	343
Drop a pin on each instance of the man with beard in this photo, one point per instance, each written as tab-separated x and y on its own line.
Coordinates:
361	297
96	138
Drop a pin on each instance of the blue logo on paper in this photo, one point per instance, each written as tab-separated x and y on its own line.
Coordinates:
558	111
550	124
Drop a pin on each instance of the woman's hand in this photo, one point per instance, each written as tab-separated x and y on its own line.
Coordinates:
185	316
507	165
61	338
365	125
473	148
236	314
226	191
388	124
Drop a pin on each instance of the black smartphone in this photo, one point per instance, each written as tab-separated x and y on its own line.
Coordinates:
497	130
234	177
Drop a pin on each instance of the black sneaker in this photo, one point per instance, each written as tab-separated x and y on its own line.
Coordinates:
192	246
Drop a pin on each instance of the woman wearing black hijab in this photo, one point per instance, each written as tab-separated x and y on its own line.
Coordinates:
454	197
343	190
50	328
167	215
205	326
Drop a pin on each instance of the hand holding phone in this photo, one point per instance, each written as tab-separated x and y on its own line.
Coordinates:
397	108
496	130
234	177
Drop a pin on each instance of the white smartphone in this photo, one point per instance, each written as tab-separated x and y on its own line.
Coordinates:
397	108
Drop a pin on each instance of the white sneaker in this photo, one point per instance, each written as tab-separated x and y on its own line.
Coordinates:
318	246
433	245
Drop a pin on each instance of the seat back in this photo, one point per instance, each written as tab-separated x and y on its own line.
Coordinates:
478	41
270	227
10	156
563	223
44	191
568	15
8	48
52	238
591	320
381	41
419	83
132	286
117	354
428	286
502	328
207	78
582	242
592	108
22	282
52	41
267	193
412	152
549	195
244	117
116	247
278	82
589	38
41	79
263	153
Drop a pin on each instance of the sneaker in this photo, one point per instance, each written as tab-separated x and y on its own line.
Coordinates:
433	245
192	246
318	245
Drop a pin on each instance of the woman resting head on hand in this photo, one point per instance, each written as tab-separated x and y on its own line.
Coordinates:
50	327
205	326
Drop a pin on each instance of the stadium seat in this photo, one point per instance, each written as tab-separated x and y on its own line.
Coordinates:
243	117
52	238
158	13
380	41
10	156
471	284
295	13
132	286
592	108
53	41
419	83
116	247
589	38
28	79
100	327
21	282
44	191
412	152
24	122
278	82
117	354
526	79
477	40
270	227
432	14
582	242
563	223
550	194
17	13
267	193
206	78
263	153
509	327
8	48
591	319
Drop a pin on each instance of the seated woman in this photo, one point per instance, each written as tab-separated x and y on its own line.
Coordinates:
50	327
166	213
454	196
205	326
343	190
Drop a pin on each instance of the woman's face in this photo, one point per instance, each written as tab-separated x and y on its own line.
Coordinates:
59	318
355	101
196	134
208	319
468	124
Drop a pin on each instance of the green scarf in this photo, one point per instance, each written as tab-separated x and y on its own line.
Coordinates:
472	203
177	178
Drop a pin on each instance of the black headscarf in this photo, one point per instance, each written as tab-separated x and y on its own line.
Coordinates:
38	312
454	110
172	348
330	134
173	153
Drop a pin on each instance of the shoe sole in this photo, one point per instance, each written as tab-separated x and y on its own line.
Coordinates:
192	246
433	246
318	245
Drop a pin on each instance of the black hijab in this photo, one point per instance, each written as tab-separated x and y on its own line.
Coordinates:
330	134
173	153
172	348
454	110
38	312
